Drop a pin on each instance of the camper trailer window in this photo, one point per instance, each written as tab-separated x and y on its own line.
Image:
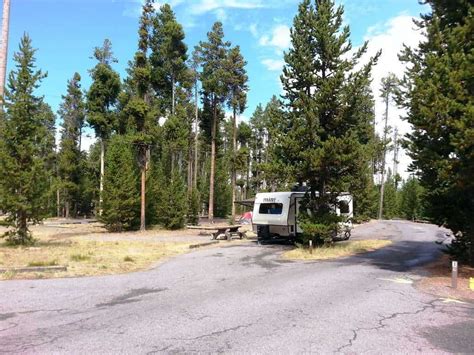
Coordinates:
271	208
344	207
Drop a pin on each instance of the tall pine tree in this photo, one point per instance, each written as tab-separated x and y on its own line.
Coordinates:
438	95
72	112
23	153
214	83
321	145
101	100
237	82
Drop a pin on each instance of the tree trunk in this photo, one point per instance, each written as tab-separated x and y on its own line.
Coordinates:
247	183
66	209
58	203
234	172
22	227
196	135
213	163
172	94
102	168
4	51
143	192
382	187
80	138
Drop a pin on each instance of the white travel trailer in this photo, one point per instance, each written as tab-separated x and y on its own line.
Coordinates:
275	214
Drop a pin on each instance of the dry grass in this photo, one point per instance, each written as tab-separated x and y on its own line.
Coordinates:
338	250
438	282
87	258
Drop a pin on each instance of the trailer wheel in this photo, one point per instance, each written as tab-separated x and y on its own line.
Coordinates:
347	235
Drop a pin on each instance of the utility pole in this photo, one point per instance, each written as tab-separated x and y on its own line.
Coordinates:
4	50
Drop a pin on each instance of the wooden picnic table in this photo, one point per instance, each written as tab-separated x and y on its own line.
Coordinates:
225	232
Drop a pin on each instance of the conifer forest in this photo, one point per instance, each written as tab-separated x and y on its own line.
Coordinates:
171	145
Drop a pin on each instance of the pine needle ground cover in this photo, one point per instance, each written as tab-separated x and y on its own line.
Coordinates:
84	257
338	250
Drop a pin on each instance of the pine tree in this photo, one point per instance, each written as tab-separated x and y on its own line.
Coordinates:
411	199
387	91
24	147
168	57
237	82
69	158
139	105
214	83
172	201
438	95
121	187
320	145
101	100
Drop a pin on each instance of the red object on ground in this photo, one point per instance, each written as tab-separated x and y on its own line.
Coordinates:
246	218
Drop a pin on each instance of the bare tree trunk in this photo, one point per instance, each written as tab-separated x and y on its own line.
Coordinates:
382	187
58	202
234	172
190	168
4	51
143	193
80	138
172	94
66	209
196	124
213	165
102	169
247	183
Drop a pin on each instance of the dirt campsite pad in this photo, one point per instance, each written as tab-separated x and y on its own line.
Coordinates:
87	249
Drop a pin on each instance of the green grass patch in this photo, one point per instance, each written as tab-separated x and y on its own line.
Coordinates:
128	259
43	263
338	250
80	257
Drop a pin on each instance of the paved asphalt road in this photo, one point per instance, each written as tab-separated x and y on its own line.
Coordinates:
245	299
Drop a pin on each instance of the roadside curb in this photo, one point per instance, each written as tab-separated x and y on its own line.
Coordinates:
199	245
34	269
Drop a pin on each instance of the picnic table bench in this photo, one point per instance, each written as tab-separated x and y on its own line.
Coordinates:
221	232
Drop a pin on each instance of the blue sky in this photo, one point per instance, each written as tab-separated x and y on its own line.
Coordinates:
66	31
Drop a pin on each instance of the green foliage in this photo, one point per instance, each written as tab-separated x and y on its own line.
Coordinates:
121	186
390	202
318	222
326	136
103	92
411	199
438	94
172	202
193	207
223	191
25	147
69	158
168	58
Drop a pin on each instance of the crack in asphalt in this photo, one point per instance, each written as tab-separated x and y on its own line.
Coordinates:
130	297
219	332
429	305
14	325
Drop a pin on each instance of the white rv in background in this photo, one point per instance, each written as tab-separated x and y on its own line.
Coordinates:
275	214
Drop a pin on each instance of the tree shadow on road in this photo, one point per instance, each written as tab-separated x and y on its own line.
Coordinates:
402	256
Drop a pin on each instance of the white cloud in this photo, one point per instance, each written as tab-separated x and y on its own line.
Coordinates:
221	15
390	37
273	64
253	29
203	6
279	38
